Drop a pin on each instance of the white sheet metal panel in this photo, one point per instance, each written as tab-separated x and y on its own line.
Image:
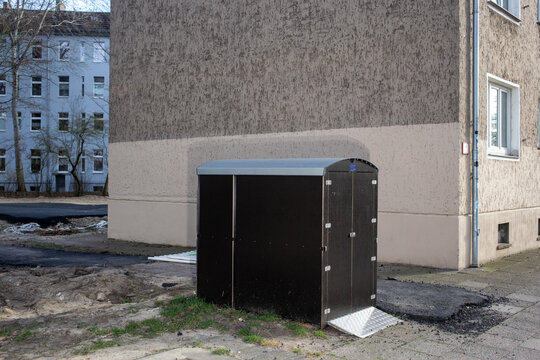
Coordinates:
287	167
188	257
364	322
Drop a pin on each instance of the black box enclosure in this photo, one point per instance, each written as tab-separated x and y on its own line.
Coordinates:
293	236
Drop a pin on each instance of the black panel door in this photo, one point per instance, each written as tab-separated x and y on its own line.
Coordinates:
214	240
338	257
363	245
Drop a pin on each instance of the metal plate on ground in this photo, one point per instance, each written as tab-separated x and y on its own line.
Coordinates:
188	257
364	322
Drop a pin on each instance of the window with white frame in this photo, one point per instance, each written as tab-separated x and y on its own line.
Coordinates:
503	117
81	54
511	6
36	121
98	160
538	128
82	85
63	52
2	160
37	51
19	119
35	161
62	160
36	85
3	84
63	86
99	52
3	118
98	121
99	86
63	121
83	164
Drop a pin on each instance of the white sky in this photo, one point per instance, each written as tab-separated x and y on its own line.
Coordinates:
88	5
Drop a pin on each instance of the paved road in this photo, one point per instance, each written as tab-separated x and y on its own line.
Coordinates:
15	255
46	214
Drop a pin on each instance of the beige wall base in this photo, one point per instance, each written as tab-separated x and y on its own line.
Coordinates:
154	222
523	232
427	240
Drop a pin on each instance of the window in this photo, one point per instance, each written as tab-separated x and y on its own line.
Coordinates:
63	53
82	85
19	119
503	236
98	188
62	161
2	121
82	53
98	160
98	121
503	118
36	121
63	86
35	161
2	160
37	52
63	121
83	164
99	86
36	85
511	7
99	52
2	84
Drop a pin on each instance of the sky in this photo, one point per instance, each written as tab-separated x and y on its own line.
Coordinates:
88	5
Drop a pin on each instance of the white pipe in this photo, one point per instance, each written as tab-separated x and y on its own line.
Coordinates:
475	229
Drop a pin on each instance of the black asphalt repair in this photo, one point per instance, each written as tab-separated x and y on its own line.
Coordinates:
48	214
23	256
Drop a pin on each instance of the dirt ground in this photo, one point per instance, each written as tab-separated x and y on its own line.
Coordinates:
69	312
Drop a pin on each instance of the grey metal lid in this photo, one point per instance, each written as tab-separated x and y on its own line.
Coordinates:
290	167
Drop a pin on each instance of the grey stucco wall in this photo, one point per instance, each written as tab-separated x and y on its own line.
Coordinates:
188	68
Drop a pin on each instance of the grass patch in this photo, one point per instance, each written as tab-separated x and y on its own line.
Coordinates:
268	317
96	346
296	328
23	336
6	331
314	354
221	351
297	351
254	339
320	334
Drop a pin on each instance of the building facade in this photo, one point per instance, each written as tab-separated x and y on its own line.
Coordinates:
63	83
387	81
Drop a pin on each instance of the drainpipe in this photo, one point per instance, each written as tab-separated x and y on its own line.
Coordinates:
475	230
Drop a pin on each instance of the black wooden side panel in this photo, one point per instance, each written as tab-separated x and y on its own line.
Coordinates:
214	240
339	244
363	244
278	245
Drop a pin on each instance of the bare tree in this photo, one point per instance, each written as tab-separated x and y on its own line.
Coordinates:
22	24
70	145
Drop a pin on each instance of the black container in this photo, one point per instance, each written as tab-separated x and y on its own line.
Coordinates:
293	236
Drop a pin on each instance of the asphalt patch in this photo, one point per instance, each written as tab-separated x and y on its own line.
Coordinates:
23	256
424	301
48	214
452	309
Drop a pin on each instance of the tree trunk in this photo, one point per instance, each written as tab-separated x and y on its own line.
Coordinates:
106	186
21	187
79	189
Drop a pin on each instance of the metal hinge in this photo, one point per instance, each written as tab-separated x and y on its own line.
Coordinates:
373	182
352	235
324	248
327	311
327	268
373	297
327	225
374	220
328	182
373	258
